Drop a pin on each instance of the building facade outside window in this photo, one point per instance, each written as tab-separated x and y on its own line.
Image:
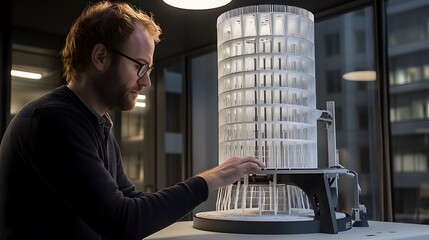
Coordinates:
408	58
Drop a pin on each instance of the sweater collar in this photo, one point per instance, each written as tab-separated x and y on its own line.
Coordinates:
105	121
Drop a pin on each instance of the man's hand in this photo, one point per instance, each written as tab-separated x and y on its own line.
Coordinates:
230	171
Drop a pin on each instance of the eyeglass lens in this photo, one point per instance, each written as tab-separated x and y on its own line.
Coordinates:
145	69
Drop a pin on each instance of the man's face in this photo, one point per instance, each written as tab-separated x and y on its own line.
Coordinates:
120	85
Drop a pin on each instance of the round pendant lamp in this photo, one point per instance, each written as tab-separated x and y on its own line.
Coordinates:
197	4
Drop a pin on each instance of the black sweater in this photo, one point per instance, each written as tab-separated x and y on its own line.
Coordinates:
61	177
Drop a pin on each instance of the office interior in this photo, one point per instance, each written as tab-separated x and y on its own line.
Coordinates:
382	124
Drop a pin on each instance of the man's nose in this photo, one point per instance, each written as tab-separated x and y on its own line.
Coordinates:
145	81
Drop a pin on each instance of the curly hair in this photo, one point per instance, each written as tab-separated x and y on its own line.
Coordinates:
103	22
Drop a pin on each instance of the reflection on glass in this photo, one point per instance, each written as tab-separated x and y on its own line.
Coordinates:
41	61
171	159
355	102
137	134
132	125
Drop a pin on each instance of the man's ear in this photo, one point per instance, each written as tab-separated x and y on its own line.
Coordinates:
99	57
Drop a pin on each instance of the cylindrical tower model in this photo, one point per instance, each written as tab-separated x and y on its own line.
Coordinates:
267	101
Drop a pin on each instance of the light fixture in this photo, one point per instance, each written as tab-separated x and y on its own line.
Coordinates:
197	4
25	74
141	104
360	76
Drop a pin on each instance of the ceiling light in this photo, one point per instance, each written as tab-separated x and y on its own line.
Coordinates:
24	74
197	4
360	76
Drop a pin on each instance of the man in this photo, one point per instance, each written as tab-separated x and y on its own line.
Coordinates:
61	171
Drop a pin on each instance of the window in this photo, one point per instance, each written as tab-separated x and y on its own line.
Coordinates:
360	41
362	119
333	81
356	109
205	124
408	41
332	44
339	118
172	162
407	22
36	60
137	134
408	67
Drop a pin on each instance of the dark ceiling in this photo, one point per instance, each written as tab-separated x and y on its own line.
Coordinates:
183	30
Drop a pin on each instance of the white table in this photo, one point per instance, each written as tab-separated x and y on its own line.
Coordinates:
375	231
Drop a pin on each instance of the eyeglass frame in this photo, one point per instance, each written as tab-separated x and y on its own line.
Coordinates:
141	70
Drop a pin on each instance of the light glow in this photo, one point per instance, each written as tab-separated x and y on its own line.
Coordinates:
197	4
140	104
141	97
24	74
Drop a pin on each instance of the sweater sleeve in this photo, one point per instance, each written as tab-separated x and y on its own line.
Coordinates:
171	204
66	151
160	209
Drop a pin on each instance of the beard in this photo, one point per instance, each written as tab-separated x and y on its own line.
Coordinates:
127	101
114	93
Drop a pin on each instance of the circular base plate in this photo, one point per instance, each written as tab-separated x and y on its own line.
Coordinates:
267	224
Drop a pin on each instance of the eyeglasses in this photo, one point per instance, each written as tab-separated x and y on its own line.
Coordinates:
141	70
